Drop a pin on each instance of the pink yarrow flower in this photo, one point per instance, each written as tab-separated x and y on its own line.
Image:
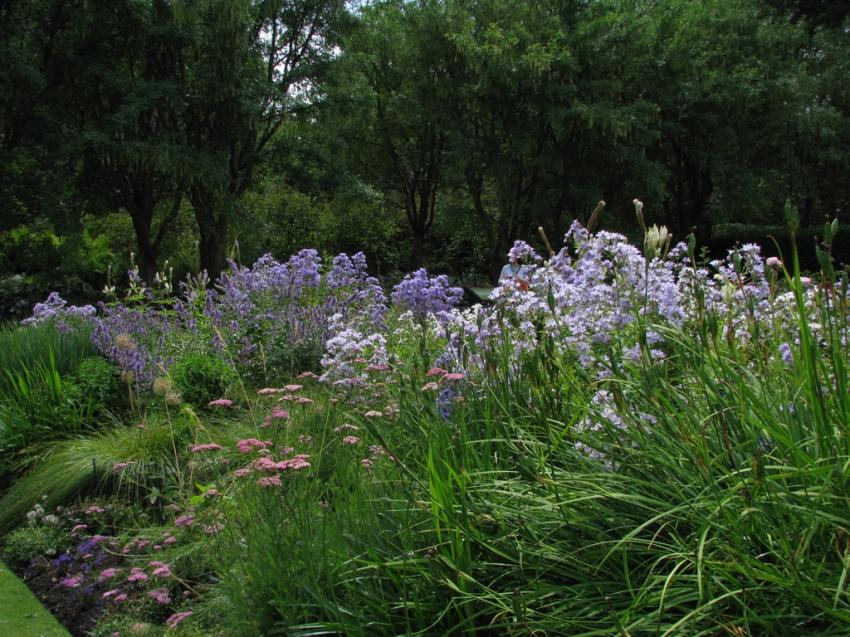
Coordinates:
269	481
160	569
160	596
454	376
436	371
108	573
185	520
265	464
373	414
220	402
71	582
293	388
210	446
300	461
774	262
176	618
432	386
137	575
268	391
350	440
249	444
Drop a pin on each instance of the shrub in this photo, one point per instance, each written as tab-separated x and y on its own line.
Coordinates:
95	385
200	378
28	542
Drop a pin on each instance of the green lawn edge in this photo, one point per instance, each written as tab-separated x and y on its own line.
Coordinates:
21	614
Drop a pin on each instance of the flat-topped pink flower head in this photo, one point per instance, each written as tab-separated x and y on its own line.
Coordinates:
269	481
220	402
436	371
174	620
265	464
210	446
160	596
249	444
268	391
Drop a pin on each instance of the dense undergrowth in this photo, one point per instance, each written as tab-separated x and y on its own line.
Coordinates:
629	443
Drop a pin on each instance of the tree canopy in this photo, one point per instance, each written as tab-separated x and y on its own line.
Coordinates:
425	132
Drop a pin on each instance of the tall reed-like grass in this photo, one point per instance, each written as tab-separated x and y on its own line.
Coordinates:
25	348
701	494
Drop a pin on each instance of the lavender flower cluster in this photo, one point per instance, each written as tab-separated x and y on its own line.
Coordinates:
55	308
423	294
599	292
252	312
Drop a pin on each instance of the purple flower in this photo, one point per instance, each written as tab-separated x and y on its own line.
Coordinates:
423	294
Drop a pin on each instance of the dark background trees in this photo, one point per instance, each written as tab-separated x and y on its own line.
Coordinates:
430	132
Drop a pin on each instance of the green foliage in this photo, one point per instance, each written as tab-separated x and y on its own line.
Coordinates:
148	457
28	542
23	348
200	378
35	262
95	386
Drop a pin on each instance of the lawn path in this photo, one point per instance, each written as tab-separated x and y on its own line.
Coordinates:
21	614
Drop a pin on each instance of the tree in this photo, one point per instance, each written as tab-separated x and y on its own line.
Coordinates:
251	65
132	116
401	54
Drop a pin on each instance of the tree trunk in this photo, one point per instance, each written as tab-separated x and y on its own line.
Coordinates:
148	252
417	256
212	231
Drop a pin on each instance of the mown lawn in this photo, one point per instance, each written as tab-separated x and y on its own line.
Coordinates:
21	615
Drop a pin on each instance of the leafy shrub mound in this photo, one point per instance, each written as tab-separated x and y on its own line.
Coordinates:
200	378
29	542
95	386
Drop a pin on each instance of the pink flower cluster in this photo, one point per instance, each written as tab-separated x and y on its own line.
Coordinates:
277	414
185	520
300	461
176	618
116	595
220	402
270	481
249	444
161	569
210	446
